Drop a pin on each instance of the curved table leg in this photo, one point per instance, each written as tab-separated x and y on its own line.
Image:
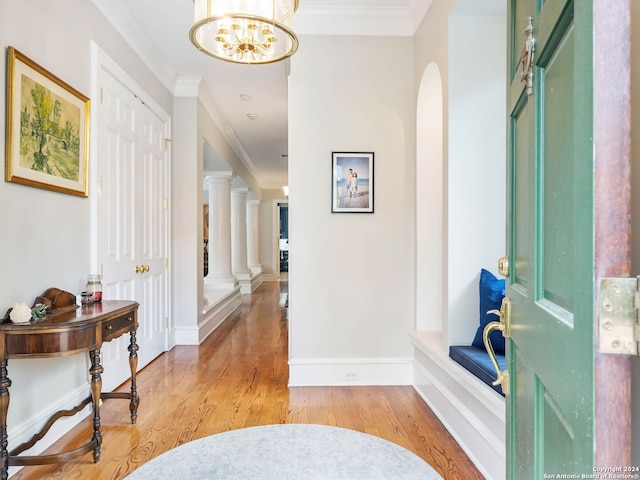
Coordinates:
96	389
5	383
133	365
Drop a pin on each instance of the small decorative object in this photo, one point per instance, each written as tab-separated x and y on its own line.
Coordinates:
94	288
352	182
20	313
47	132
51	302
86	298
56	300
39	311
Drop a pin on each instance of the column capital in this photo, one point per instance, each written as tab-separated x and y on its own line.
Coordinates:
240	191
220	177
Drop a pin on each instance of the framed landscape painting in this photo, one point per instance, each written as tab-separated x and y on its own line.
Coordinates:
352	189
47	132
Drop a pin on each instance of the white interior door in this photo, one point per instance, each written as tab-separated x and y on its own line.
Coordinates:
132	218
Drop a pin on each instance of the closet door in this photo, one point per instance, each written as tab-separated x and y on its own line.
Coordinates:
132	218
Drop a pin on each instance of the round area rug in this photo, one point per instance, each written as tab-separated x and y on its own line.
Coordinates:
288	452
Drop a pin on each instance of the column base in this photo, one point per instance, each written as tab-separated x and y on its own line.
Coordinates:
244	279
256	270
225	283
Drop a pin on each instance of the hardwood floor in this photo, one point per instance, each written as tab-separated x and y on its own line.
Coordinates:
238	378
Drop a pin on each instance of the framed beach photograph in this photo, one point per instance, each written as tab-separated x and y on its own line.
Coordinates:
47	131
352	182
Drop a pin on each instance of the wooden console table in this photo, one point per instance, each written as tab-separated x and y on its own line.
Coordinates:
65	333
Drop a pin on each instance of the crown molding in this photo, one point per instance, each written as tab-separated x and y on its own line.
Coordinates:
118	16
400	20
205	97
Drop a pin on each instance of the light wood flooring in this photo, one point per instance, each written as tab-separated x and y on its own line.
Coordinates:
238	378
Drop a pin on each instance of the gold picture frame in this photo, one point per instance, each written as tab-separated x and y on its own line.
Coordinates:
47	129
205	221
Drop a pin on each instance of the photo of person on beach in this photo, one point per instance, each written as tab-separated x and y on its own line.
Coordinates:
352	191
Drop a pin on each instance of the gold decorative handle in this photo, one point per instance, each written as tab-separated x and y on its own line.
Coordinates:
504	326
146	268
139	268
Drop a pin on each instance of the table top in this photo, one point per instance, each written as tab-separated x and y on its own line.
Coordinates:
77	317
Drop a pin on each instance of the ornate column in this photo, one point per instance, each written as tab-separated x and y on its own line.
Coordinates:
253	236
220	274
239	265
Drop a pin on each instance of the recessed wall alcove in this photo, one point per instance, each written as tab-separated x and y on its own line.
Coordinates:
460	221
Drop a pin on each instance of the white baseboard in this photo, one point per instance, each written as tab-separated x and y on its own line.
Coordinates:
474	413
256	282
213	315
349	372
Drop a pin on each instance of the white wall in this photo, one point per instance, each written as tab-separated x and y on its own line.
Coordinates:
46	238
477	165
187	188
352	280
430	202
471	210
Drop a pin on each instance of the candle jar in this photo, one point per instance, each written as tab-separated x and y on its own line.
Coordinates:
94	288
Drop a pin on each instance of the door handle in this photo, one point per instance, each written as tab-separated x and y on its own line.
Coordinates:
503	266
526	56
139	268
504	326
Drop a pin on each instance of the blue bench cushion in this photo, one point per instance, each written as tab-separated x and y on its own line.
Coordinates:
477	361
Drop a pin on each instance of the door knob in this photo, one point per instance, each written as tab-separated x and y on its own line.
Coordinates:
503	266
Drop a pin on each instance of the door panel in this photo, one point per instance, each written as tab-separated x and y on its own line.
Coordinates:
153	234
132	220
522	175
550	355
557	210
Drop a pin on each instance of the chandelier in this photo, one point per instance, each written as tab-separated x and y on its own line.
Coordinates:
245	31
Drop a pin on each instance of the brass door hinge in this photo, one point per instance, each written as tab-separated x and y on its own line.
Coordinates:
619	324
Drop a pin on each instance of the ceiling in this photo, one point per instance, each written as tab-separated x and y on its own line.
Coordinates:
159	32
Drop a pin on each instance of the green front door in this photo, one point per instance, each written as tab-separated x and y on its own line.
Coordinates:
551	407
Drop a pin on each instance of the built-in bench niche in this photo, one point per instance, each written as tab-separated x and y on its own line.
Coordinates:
469	216
456	381
474	356
477	361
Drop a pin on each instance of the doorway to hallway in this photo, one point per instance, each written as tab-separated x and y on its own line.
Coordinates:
284	237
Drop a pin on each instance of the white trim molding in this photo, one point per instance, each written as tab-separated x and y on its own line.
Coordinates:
472	412
306	372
